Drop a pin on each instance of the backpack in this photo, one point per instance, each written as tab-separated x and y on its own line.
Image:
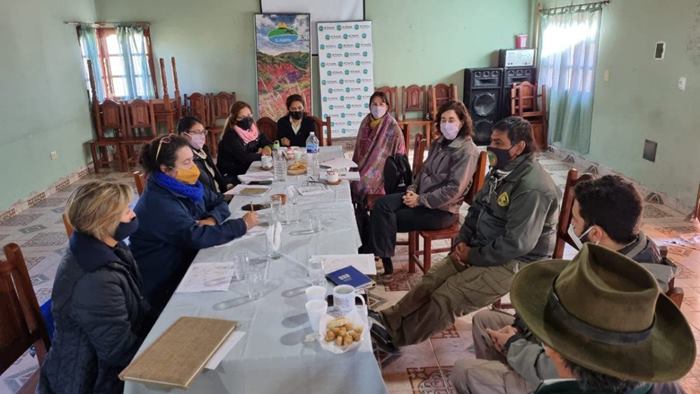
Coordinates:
397	174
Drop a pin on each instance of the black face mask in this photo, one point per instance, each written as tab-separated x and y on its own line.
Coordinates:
296	115
245	123
126	229
499	158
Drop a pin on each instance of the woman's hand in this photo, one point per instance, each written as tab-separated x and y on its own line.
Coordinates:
285	141
250	219
411	199
207	222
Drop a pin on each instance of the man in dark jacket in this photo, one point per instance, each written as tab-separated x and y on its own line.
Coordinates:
605	211
605	325
512	221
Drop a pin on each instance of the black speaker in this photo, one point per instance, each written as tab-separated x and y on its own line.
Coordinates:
483	96
515	75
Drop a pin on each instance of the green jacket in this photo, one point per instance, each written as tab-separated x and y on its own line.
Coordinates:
572	387
514	215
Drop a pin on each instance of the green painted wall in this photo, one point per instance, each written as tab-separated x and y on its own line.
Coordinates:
416	41
43	105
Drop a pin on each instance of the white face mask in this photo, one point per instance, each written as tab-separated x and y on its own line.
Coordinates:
377	110
449	130
578	240
197	141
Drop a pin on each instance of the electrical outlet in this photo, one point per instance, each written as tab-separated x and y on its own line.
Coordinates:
54	155
649	152
682	81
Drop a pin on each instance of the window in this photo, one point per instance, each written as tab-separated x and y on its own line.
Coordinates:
125	65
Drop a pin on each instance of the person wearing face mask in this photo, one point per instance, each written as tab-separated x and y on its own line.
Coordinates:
98	307
294	128
512	221
606	212
241	144
432	202
178	216
192	128
378	138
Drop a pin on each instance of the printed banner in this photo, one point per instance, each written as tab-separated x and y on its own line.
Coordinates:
345	62
283	57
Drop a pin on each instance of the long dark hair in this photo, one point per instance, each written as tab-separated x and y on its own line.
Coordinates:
152	158
186	122
233	112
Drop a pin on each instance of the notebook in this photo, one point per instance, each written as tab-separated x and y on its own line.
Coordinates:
350	276
180	353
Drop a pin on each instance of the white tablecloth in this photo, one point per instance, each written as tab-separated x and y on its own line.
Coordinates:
273	357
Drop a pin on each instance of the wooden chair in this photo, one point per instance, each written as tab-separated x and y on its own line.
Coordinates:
67	225
109	115
165	108
438	95
392	95
451	232
328	140
219	108
140	128
268	127
179	109
527	103
140	179
413	99
22	325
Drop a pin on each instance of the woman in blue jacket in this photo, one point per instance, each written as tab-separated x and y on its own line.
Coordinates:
97	303
177	216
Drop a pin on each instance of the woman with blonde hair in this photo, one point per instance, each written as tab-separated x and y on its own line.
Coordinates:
98	308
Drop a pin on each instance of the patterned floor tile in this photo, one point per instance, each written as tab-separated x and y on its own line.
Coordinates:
20	220
450	332
32	229
50	202
428	380
653	212
3	236
39	279
47	239
33	261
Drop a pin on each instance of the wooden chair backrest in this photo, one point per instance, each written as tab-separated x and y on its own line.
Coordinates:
197	105
526	102
140	115
326	140
110	116
220	105
268	127
479	178
418	154
413	100
21	325
140	181
567	203
392	96
440	94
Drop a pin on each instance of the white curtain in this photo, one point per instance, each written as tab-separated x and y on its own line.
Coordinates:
567	63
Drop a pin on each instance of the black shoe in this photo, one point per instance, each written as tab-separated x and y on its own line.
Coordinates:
380	336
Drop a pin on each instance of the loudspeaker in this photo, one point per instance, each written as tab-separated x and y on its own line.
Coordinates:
483	96
515	75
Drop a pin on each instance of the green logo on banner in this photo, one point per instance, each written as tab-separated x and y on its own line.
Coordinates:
365	71
347	72
359	113
337	27
364	53
357	62
325	99
349	123
320	28
357	45
348	106
364	35
366	89
347	54
342	98
345	36
328	73
359	97
340	64
322	46
340	46
366	105
330	107
328	55
347	90
342	115
323	82
358	80
341	81
357	27
330	91
328	36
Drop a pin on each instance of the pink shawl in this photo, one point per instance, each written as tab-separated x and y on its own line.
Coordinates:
247	135
372	147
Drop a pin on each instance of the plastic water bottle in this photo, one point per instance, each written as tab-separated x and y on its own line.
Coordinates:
280	166
311	154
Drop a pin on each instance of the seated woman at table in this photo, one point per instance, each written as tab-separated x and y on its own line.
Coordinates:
378	138
192	128
177	216
241	144
97	304
432	202
294	128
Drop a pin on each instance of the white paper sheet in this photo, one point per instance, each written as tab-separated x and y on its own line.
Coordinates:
223	350
339	163
207	277
312	190
255	176
237	190
348	176
362	262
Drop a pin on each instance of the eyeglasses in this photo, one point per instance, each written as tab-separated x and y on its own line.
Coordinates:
202	132
164	140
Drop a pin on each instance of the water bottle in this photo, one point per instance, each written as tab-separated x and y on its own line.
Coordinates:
311	154
280	166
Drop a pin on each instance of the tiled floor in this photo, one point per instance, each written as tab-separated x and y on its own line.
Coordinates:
422	368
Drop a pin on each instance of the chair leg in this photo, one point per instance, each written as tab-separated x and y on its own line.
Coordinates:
412	251
123	165
427	253
95	162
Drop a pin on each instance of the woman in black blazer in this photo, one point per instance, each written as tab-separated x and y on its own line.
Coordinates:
294	128
195	132
241	144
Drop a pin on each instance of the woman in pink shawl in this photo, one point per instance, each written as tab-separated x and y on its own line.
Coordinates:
378	138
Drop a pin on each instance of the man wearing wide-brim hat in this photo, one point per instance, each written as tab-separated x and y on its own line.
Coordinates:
605	324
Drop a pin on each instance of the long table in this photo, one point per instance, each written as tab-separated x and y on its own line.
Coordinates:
275	356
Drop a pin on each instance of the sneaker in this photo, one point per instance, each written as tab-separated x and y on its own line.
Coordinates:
380	335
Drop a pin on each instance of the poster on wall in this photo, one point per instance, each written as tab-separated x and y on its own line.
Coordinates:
345	60
320	10
283	59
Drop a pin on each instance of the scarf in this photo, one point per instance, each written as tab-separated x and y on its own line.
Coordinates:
193	192
247	136
203	155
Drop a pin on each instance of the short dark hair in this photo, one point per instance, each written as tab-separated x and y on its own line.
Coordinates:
186	122
166	155
293	98
611	203
518	129
462	113
382	96
595	381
